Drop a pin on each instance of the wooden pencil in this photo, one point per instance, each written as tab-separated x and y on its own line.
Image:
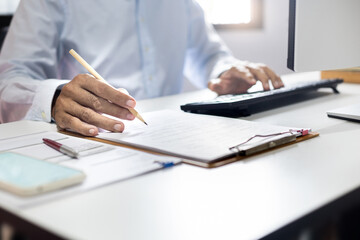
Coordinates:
97	76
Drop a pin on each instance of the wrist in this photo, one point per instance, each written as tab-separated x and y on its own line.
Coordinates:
56	95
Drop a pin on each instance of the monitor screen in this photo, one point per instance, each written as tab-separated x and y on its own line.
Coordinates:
323	34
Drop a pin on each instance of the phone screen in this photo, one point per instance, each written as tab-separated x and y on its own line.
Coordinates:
23	172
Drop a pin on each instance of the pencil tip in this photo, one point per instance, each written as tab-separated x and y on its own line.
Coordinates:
145	123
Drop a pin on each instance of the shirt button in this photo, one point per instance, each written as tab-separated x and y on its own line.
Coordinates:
150	78
43	115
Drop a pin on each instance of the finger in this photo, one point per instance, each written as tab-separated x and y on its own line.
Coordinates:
239	73
275	79
215	85
260	75
91	117
225	86
101	105
67	121
229	86
104	90
234	81
123	90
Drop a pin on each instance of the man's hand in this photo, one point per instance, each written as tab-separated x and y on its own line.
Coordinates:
240	78
81	102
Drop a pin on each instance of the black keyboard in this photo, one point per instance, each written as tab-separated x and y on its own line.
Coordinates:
249	103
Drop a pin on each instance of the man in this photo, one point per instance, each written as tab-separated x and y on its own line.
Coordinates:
146	47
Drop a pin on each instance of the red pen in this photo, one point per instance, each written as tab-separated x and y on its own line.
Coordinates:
61	147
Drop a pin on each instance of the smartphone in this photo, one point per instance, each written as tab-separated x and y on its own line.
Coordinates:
28	176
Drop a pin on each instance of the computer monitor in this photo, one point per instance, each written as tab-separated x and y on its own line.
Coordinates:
324	34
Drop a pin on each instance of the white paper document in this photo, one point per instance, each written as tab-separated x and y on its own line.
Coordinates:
194	136
102	163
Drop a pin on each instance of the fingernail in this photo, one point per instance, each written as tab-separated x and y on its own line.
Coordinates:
130	103
92	131
276	84
117	127
130	116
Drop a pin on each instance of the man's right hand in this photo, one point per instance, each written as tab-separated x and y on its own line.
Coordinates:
82	101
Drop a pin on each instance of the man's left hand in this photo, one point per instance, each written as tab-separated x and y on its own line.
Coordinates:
240	78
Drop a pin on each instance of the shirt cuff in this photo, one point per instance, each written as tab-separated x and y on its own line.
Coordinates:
41	106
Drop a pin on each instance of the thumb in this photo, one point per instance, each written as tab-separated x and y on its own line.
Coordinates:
215	85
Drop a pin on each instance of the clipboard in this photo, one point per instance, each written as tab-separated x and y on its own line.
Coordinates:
240	156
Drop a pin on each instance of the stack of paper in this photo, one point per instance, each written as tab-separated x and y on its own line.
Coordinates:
198	137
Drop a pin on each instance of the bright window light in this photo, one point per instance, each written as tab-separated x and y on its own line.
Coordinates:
8	6
227	11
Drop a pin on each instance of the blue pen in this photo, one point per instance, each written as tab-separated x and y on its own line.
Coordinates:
165	164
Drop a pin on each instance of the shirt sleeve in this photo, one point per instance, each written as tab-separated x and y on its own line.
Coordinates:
207	55
29	61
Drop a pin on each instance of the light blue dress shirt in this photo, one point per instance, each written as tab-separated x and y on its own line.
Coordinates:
144	46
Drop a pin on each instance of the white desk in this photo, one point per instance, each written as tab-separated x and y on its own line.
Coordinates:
242	200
